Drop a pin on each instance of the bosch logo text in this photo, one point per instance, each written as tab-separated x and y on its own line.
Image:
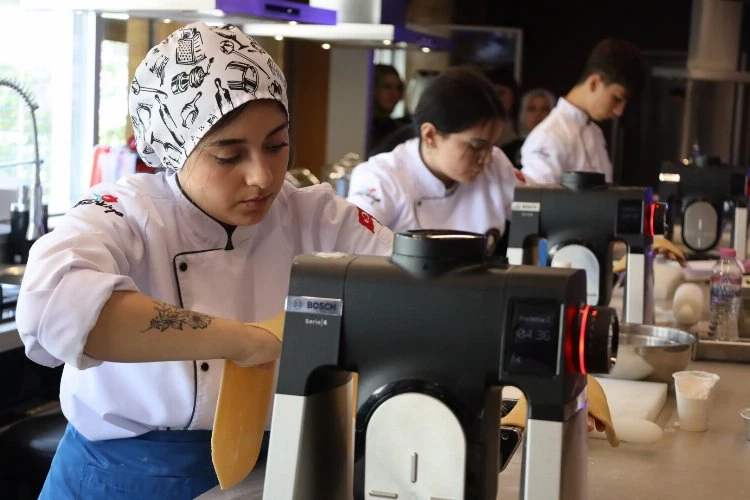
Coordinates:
322	306
314	305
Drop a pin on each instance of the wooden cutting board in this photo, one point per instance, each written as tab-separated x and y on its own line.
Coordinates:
634	399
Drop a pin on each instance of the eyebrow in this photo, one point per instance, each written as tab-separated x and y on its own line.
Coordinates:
278	128
480	140
235	141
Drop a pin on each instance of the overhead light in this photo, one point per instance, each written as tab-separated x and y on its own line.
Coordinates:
293	23
211	12
278	37
167	21
387	42
425	49
120	16
326	46
665	177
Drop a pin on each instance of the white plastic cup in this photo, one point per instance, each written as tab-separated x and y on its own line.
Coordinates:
694	391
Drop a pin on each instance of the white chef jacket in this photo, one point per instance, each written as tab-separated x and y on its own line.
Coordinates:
565	141
398	189
143	234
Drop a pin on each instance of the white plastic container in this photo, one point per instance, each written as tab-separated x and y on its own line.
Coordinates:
694	392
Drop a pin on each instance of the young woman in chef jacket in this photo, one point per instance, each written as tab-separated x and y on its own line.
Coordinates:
450	175
146	285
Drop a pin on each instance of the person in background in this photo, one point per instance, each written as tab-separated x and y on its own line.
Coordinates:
388	92
536	104
414	90
569	139
450	175
147	285
509	92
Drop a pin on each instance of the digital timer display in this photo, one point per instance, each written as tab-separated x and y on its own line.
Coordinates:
630	217
533	339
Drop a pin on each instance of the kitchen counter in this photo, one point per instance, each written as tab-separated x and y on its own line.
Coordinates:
681	466
9	338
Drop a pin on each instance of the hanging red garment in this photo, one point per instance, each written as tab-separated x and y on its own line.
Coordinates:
112	162
96	168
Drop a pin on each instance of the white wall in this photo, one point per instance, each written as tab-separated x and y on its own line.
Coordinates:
349	101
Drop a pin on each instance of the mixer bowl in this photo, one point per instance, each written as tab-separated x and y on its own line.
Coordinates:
652	353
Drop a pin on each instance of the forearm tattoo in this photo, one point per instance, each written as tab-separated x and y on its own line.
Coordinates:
168	316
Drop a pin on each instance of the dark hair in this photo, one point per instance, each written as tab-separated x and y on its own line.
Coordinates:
399	136
617	61
383	70
457	99
504	77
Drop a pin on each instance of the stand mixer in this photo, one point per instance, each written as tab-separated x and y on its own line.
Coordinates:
575	225
696	198
434	333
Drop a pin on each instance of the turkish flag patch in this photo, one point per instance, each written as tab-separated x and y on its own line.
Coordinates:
366	220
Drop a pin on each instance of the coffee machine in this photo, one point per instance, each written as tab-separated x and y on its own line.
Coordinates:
17	249
575	224
434	332
697	196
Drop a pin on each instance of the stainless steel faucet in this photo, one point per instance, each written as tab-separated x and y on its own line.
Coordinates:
36	207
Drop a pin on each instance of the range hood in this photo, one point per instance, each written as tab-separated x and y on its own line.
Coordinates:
380	22
218	11
369	23
355	34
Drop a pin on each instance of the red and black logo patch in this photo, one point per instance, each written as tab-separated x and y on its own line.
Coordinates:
104	200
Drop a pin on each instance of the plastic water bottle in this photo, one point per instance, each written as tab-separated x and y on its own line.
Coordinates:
726	290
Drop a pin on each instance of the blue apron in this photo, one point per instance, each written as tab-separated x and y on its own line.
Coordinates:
164	465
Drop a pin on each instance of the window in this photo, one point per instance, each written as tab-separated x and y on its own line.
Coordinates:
113	93
51	57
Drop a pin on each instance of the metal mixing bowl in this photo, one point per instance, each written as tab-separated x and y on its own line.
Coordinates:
652	353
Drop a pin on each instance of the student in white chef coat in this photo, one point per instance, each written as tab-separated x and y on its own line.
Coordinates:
569	139
146	285
450	175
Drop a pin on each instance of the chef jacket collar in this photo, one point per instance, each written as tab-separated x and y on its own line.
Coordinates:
571	110
205	229
427	185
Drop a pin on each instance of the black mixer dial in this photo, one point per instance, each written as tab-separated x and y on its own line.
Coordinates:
597	332
656	218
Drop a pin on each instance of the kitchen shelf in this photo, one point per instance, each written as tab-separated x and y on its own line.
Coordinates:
702	74
717	350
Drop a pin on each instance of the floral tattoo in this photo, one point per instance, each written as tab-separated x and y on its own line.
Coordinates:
168	316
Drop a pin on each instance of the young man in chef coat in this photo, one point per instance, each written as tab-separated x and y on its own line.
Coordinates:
569	139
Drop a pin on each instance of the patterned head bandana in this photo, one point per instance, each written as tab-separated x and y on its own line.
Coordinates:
189	81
